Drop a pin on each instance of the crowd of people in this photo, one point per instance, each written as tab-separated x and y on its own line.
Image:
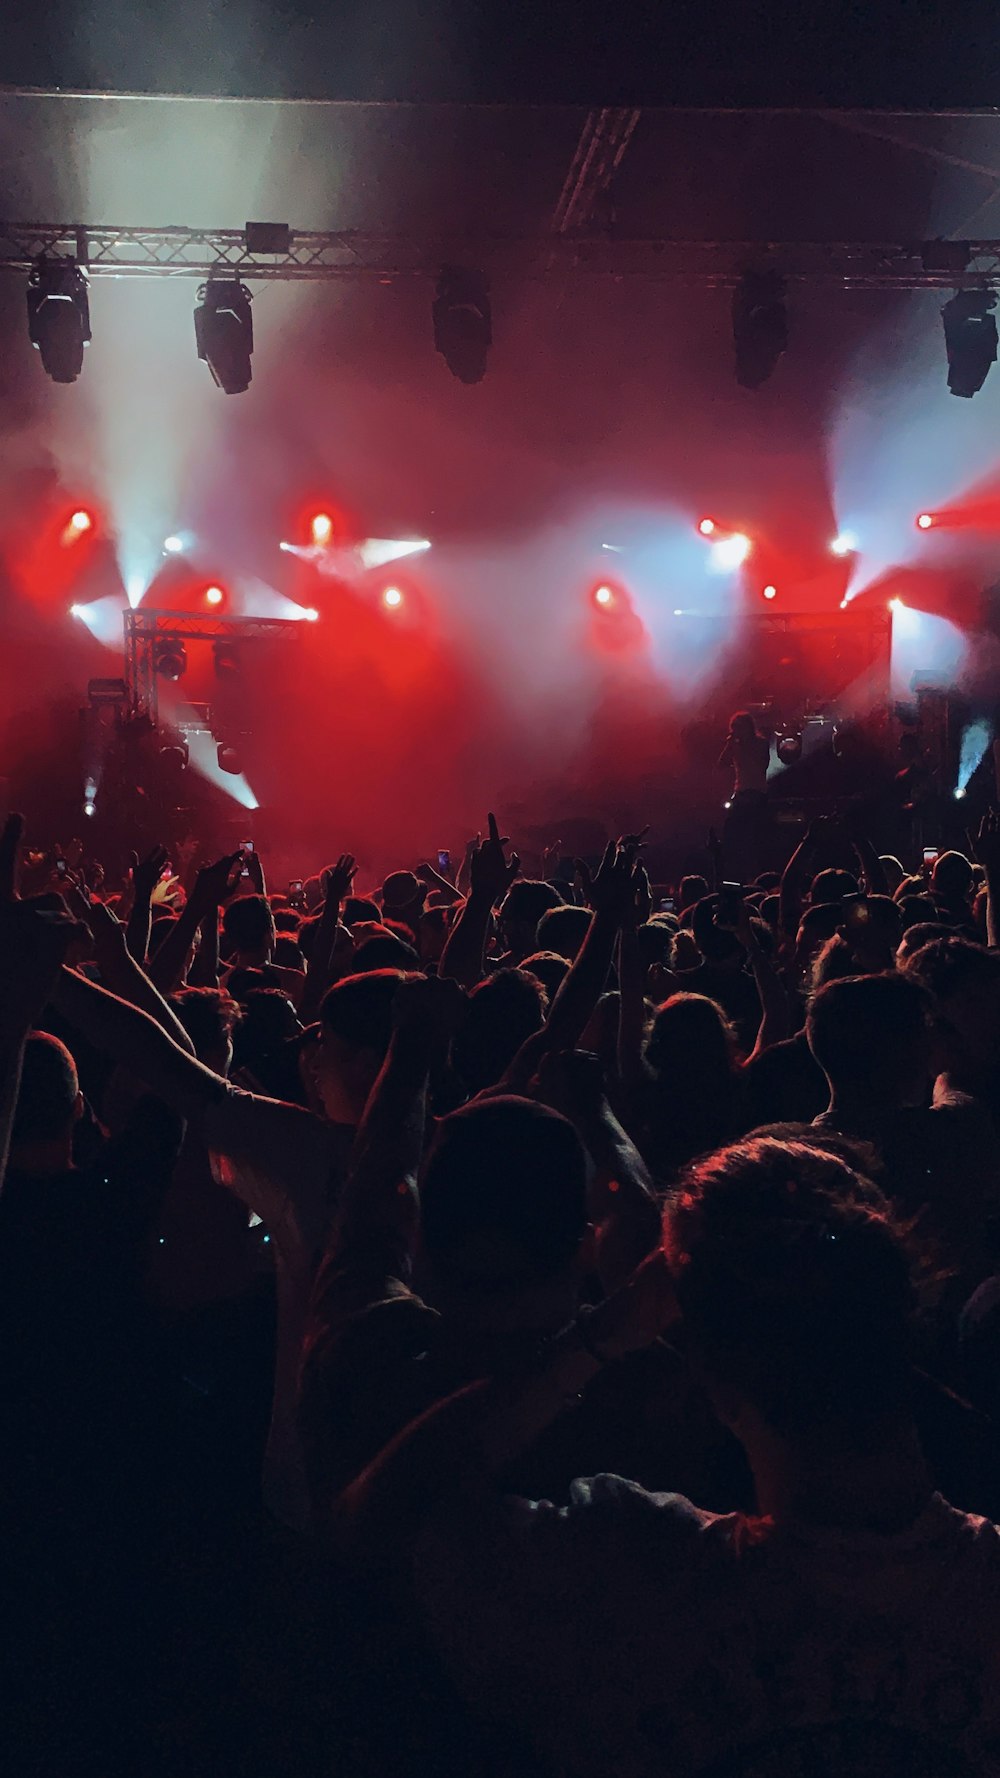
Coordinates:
504	1325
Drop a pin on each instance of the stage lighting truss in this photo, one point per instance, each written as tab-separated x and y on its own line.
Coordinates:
152	635
58	316
970	335
223	331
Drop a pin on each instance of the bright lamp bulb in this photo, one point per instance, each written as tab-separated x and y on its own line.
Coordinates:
214	595
322	528
924	521
81	521
603	595
392	597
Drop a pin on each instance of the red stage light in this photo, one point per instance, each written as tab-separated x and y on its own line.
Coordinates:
81	521
770	592
603	596
706	527
321	528
924	521
392	597
214	595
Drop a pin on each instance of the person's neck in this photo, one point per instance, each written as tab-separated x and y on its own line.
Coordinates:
259	958
44	1157
828	1481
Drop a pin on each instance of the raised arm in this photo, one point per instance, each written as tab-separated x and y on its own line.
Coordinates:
121	974
212	887
463	957
137	1042
319	970
34	938
610	894
145	876
774	1023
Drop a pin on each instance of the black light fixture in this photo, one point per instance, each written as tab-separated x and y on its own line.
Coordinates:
223	331
226	657
267	237
463	322
760	326
58	316
970	337
170	659
228	759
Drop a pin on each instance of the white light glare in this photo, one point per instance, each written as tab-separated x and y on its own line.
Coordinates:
731	552
173	545
310	614
976	738
844	544
375	552
77	611
90	809
959	791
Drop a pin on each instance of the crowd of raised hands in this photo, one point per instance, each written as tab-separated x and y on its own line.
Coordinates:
335	1220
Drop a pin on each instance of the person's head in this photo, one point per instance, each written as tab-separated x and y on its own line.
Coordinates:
563	930
768	880
914	938
312	893
269	1020
873	926
917	910
355	1029
503	1012
548	968
49	1102
358	908
285	919
287	953
951	880
716	943
795	1293
964	979
742	726
503	1216
655	942
523	906
770	912
816	926
248	929
385	951
692	889
872	1036
209	1016
691	1041
831	886
403	897
893	872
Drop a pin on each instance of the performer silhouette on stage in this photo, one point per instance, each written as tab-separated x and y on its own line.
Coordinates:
747	754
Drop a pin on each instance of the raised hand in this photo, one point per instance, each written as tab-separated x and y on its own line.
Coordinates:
610	890
637	912
147	872
489	871
35	936
255	871
216	883
340	877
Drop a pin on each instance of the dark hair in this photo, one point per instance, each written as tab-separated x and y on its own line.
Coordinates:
831	886
862	1029
917	910
952	876
527	900
287	953
948	966
208	1016
286	919
503	1011
269	1020
503	1193
692	889
691	1034
563	929
48	1091
359	1009
249	923
358	908
384	950
795	1285
548	968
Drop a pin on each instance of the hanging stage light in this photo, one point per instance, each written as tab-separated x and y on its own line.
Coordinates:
226	656
170	659
789	746
223	331
970	337
760	326
463	322
59	316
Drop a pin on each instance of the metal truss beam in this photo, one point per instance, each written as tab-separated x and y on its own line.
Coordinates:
107	250
145	628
